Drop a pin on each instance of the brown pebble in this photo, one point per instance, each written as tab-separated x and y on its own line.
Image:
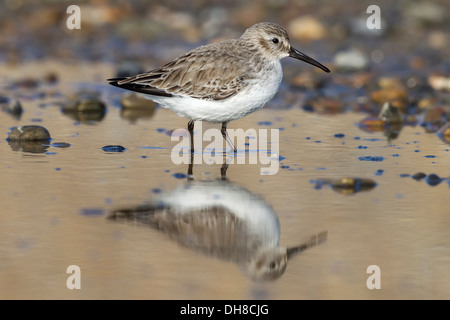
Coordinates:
352	185
29	133
85	105
327	105
372	124
396	96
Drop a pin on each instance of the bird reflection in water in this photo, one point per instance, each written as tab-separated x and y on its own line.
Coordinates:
223	220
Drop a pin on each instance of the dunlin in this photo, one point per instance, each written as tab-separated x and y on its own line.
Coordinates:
221	81
223	220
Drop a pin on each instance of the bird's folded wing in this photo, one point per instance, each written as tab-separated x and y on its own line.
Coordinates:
196	74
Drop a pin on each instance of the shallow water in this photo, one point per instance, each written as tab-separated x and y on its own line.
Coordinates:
55	206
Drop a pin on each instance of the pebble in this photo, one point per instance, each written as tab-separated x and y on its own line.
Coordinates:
385	82
433	179
85	105
29	133
12	107
306	80
325	105
27	83
352	185
433	119
113	148
306	28
439	82
50	78
397	97
371	158
85	109
426	13
61	145
418	176
351	60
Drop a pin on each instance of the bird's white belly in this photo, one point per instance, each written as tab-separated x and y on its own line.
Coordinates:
251	98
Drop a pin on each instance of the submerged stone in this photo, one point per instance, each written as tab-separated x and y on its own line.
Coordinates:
418	176
29	133
433	179
371	158
113	148
61	145
352	185
33	139
85	106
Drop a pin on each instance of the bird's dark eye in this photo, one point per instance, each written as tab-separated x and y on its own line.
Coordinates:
275	40
272	265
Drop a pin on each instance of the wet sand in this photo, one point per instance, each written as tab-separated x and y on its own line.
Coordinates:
54	206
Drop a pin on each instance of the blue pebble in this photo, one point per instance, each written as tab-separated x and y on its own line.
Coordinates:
433	179
60	145
371	158
113	148
405	175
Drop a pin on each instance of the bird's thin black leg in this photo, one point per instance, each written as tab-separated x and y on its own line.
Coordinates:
223	171
191	132
226	137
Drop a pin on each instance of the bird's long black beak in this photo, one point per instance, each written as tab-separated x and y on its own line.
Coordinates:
294	53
